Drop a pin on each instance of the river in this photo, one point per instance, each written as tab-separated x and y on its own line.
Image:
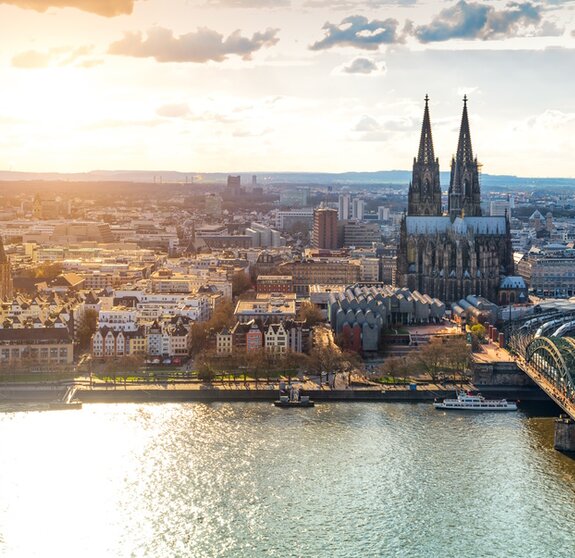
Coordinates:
249	480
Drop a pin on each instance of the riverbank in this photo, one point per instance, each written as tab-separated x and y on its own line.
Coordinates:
210	394
250	391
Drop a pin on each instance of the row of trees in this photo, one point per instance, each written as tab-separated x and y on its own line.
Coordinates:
440	358
262	364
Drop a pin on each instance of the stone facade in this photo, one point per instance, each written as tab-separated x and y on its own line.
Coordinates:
460	253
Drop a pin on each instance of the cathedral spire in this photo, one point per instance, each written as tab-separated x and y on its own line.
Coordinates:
464	190
464	149
426	154
424	196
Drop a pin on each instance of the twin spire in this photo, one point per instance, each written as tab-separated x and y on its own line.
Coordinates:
464	150
425	190
426	154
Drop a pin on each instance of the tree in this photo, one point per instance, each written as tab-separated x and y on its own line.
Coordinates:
479	331
458	356
87	327
394	368
223	316
240	283
328	359
310	314
430	358
205	367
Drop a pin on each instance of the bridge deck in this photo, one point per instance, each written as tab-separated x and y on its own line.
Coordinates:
566	404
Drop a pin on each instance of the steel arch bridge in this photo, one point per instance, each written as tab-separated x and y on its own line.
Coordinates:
552	359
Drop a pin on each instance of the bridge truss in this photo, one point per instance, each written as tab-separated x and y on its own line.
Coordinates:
554	359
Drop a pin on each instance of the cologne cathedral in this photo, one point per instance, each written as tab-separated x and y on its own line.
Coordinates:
450	255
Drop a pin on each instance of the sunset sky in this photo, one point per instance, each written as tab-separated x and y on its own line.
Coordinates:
284	85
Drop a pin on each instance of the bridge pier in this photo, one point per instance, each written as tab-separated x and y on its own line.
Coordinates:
564	434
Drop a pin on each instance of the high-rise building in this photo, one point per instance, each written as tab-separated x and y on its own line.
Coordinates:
5	275
325	228
357	209
383	213
234	185
344	207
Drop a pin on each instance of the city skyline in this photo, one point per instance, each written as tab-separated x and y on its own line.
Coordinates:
270	86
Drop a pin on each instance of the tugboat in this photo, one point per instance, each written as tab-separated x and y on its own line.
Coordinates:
292	398
466	401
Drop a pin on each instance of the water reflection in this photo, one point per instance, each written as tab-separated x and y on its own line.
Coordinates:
252	480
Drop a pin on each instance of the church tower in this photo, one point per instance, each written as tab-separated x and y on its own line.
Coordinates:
424	196
464	192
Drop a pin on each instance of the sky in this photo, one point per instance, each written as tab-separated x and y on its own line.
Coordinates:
284	85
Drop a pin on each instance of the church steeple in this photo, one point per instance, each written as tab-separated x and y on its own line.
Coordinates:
424	190
425	154
464	189
464	149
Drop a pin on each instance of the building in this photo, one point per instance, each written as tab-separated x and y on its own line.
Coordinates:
450	256
46	346
358	209
295	197
5	275
364	311
549	271
499	208
360	234
274	284
266	308
383	213
234	186
343	212
288	220
263	236
325	228
320	271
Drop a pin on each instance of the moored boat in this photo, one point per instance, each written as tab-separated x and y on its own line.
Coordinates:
467	401
292	398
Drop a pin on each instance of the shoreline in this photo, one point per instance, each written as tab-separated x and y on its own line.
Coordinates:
158	393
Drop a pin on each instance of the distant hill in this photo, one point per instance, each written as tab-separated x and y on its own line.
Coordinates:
392	177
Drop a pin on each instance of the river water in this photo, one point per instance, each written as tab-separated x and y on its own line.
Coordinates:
249	480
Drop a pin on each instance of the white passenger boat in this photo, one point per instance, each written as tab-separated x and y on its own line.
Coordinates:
468	402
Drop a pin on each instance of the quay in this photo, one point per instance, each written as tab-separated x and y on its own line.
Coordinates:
263	392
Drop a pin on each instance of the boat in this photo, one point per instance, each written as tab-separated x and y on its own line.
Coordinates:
292	398
466	401
67	402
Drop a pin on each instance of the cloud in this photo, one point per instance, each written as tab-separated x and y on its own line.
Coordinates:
550	119
174	110
366	124
357	31
473	20
62	56
368	128
249	3
107	8
354	4
199	46
31	59
363	66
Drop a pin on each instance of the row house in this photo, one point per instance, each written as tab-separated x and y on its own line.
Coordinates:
275	337
170	338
